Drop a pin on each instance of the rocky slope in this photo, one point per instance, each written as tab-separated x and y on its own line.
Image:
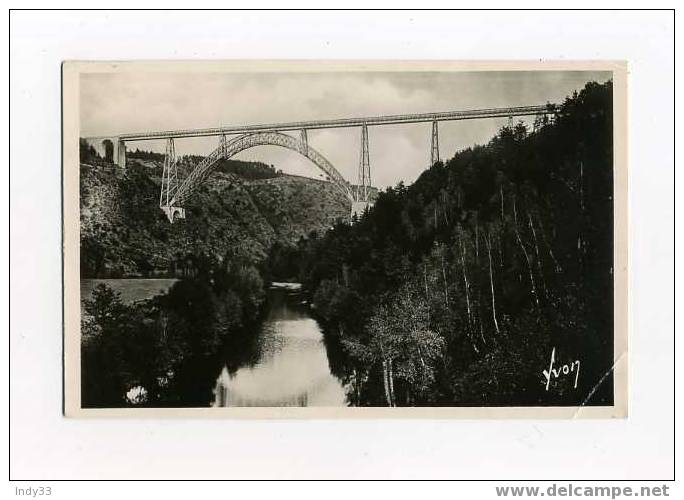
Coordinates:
294	206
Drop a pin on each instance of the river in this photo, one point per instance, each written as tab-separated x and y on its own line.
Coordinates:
289	365
292	366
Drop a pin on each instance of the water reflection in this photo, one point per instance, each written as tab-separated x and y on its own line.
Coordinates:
292	366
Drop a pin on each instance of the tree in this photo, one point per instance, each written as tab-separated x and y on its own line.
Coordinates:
401	342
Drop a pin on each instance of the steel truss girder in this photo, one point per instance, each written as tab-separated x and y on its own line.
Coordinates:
346	122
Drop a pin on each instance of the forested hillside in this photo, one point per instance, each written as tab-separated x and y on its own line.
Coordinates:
456	290
236	216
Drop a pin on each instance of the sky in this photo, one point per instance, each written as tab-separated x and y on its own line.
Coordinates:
117	103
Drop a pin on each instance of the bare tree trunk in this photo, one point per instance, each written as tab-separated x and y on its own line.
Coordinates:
446	287
471	323
581	185
580	239
465	281
478	277
477	242
503	228
391	384
536	250
558	267
385	380
527	257
427	292
469	309
422	360
491	282
479	320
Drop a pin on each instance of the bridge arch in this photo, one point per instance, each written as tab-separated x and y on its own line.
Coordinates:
228	149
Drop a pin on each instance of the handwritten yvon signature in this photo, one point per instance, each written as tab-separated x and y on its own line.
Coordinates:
565	369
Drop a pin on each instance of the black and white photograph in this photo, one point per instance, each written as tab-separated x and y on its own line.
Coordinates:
364	236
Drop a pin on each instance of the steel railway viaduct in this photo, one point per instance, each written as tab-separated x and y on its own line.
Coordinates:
175	190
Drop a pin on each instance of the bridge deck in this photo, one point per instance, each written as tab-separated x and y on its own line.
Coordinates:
346	122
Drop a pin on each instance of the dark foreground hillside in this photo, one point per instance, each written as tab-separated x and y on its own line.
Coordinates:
459	289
